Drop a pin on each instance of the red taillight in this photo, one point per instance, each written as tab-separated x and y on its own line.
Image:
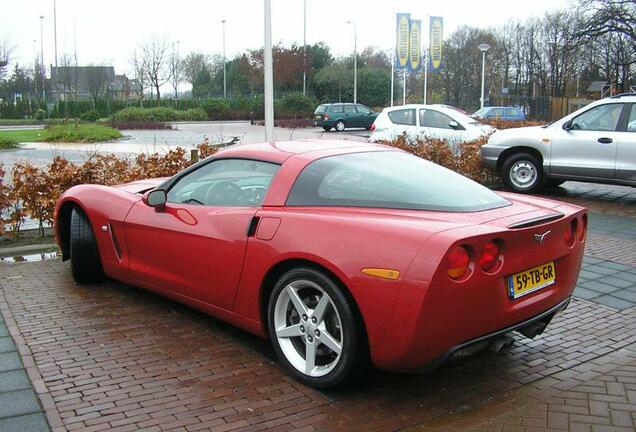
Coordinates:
372	127
582	228
325	117
489	258
570	233
457	262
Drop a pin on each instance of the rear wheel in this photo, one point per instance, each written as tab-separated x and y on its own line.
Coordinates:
522	173
86	265
312	327
340	125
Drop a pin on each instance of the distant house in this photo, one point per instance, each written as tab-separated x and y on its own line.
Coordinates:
90	82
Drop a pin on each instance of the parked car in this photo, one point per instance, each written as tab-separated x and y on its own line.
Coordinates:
500	113
426	121
594	144
342	116
337	251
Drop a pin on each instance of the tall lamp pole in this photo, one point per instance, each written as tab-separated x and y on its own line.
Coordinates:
355	61
483	48
224	76
42	71
269	74
305	48
55	29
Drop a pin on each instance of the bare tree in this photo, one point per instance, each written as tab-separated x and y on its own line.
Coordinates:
192	64
608	16
5	56
66	79
155	63
139	73
176	71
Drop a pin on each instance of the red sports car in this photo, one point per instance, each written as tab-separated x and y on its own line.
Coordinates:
335	251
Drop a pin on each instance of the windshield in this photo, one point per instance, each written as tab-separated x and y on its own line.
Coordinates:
389	179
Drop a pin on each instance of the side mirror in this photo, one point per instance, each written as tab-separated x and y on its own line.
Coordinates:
453	124
156	198
567	125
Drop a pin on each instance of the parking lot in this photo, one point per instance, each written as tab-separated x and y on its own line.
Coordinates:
111	356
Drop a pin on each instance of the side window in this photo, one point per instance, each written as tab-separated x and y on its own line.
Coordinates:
350	109
434	119
363	110
225	182
403	117
512	112
335	108
631	121
600	118
496	113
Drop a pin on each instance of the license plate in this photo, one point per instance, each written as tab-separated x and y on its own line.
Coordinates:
525	282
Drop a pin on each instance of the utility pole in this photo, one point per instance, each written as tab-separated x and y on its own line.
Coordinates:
392	76
355	61
425	75
224	76
269	74
55	29
304	47
42	71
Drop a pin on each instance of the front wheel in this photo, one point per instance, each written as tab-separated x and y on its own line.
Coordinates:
340	126
522	173
86	265
312	327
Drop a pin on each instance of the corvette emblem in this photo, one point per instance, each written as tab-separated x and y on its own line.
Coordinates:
539	238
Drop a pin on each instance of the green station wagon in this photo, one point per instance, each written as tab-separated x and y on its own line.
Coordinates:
344	115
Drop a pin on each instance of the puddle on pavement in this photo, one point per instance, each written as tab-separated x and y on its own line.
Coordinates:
41	256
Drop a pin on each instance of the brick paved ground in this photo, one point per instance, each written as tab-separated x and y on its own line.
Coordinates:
111	356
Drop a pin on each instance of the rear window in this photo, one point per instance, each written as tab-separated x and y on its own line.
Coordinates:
321	109
388	179
403	117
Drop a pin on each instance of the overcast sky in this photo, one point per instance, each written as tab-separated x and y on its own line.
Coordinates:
108	31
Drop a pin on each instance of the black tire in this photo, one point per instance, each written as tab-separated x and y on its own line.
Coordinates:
352	335
552	182
340	126
513	169
86	265
326	128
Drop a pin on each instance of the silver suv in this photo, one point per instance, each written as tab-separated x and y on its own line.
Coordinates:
595	144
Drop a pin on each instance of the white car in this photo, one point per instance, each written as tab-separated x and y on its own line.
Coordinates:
595	144
427	121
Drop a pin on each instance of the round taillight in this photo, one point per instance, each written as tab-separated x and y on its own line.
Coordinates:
570	233
489	258
372	127
457	262
582	228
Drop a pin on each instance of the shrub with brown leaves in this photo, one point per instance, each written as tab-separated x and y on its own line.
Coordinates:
509	124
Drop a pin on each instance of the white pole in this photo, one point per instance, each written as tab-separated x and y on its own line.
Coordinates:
55	29
42	56
404	88
355	63
269	75
224	78
305	48
392	76
425	75
483	75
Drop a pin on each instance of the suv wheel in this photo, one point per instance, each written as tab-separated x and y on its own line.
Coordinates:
522	173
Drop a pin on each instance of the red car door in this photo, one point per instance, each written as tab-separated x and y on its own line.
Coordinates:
195	246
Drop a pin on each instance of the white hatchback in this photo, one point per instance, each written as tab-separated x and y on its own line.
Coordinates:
427	121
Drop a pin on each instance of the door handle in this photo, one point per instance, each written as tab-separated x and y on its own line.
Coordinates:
605	140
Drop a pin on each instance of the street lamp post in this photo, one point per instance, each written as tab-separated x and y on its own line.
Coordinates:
42	70
483	48
224	76
305	48
355	61
55	29
268	78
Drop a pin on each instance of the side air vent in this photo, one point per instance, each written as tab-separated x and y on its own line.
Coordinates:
536	221
115	242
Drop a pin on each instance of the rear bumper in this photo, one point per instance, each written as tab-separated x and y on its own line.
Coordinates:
543	319
324	123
